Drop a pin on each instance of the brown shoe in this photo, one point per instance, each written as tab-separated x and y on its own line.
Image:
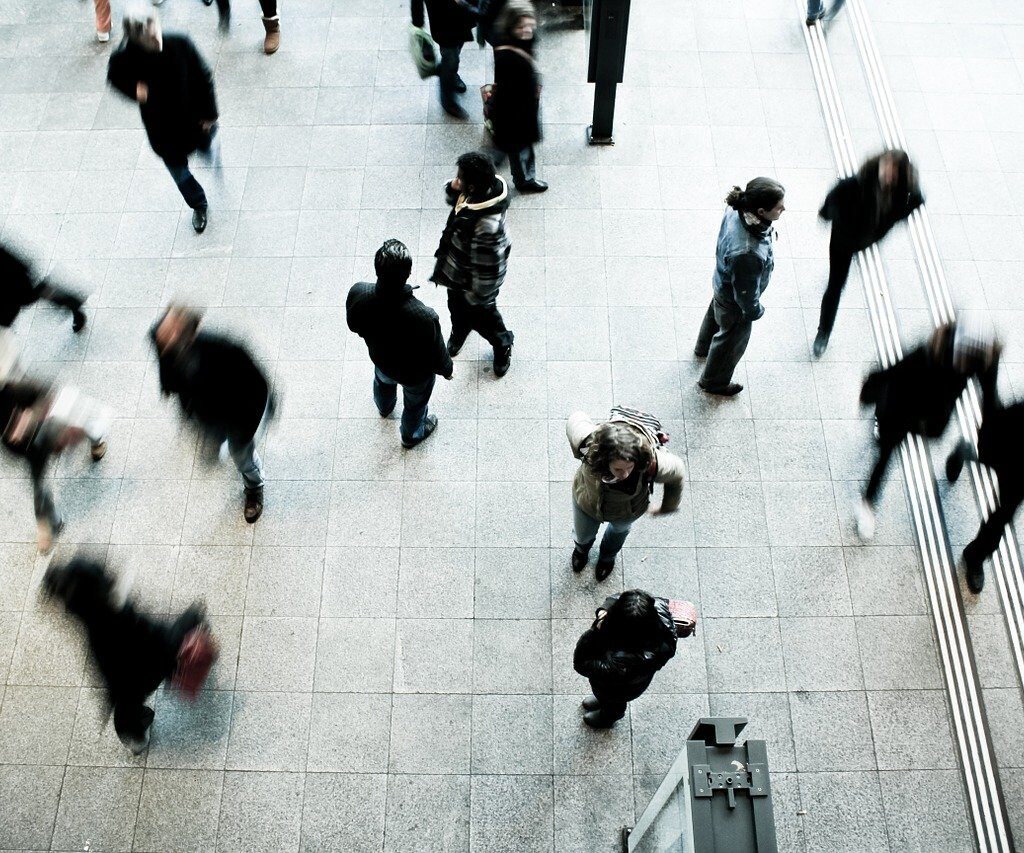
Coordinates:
99	450
253	505
272	41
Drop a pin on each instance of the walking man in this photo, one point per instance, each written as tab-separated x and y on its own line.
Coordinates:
473	256
404	339
451	26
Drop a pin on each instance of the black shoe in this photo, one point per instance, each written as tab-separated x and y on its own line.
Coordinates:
207	2
455	346
820	344
596	720
604	568
814	19
955	462
454	110
502	360
224	25
78	320
975	575
579	559
460	84
591	703
700	353
253	505
199	219
730	390
389	411
533	186
430	427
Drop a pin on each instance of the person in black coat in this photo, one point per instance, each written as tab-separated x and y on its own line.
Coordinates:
863	208
451	26
515	97
19	288
918	395
404	339
220	387
173	86
134	653
627	644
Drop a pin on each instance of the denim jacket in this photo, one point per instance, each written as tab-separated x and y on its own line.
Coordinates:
743	264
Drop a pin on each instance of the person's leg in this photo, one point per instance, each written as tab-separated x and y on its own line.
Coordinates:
415	399
272	25
132	719
615	534
447	75
102	19
487	322
385	393
224	14
460	312
887	444
247	461
727	348
815	9
269	8
48	521
708	329
611	707
834	9
963	452
585	528
188	186
840	257
63	298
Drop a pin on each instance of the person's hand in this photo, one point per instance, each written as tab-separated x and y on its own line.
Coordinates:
660	510
141	92
207	125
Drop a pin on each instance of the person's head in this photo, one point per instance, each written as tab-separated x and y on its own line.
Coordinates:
476	174
84	586
176	328
969	344
889	169
763	197
142	26
615	451
632	622
393	263
518	20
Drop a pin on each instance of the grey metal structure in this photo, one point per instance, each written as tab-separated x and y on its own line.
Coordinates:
607	22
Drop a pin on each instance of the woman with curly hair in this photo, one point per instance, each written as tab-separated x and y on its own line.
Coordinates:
620	463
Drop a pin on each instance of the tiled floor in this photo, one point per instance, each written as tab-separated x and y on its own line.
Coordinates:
398	627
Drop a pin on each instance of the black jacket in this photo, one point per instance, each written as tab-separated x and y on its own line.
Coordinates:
852	208
218	384
515	103
180	93
402	334
999	445
451	23
18	287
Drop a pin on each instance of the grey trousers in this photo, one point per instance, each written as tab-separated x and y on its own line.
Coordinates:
723	338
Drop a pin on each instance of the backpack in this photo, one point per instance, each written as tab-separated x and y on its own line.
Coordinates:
646	423
196	656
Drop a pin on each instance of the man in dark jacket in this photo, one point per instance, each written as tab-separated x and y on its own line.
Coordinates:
451	26
174	89
19	288
404	339
473	255
219	386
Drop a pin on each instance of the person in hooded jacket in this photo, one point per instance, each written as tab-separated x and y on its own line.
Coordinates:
134	653
404	339
863	208
620	653
173	86
220	387
472	257
19	288
451	26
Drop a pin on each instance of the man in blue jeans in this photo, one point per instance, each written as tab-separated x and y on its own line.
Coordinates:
816	11
404	339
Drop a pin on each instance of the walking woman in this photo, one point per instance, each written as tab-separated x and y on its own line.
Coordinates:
862	209
620	463
743	266
515	97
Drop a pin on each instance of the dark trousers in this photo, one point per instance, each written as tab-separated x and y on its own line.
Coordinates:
723	338
414	403
269	8
840	256
888	441
614	698
190	189
522	164
42	497
1011	494
485	320
448	73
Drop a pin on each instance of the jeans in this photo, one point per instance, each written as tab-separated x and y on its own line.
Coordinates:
448	73
587	526
840	257
247	461
414	403
42	497
723	338
485	320
188	186
816	8
523	165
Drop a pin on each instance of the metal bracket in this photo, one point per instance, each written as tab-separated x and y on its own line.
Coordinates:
753	779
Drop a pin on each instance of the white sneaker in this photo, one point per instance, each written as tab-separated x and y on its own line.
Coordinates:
103	37
865	521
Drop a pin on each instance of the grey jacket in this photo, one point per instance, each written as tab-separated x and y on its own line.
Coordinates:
743	264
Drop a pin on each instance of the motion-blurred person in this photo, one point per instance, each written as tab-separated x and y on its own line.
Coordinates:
404	339
271	22
20	287
103	26
999	439
220	388
134	653
173	86
451	26
918	394
472	257
624	648
620	461
816	11
863	208
744	261
515	97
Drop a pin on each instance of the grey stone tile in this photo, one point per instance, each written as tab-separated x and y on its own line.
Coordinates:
94	742
844	811
28	804
729	514
49	652
1005	716
590	812
149	512
97	808
898	653
661	725
434	656
178	810
512	732
360	582
37	724
831	731
260	811
369	671
342	810
581	750
277	651
190	735
791	450
436	582
811	581
801	514
991	650
284	581
512	581
16	562
427	813
529	526
736	582
925	810
364	513
269	731
822	653
419	724
213	515
511	656
768	719
213	575
515	811
885	581
511	450
349	733
451	453
911	729
744	655
721	451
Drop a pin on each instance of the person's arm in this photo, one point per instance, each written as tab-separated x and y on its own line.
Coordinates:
120	75
592	660
746	282
202	84
416	10
444	366
670	472
352	316
577	428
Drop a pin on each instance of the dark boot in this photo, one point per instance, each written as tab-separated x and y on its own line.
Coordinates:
455	345
78	320
502	360
605	566
974	571
579	558
272	39
591	703
820	343
597	720
955	462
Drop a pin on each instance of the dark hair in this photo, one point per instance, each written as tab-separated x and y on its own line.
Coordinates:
632	623
83	584
907	174
477	171
761	193
393	262
615	440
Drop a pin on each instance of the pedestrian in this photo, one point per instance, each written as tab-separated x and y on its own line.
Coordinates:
103	25
816	11
20	287
404	339
862	209
620	461
220	388
515	96
173	86
271	22
744	261
451	26
918	394
472	257
134	653
620	653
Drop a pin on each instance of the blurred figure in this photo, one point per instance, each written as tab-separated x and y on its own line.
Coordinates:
863	208
271	22
488	27
451	26
220	388
173	86
626	645
918	395
999	448
103	25
404	339
515	98
744	261
472	257
816	11
620	463
19	288
133	652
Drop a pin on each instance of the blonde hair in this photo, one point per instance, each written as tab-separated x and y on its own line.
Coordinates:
513	12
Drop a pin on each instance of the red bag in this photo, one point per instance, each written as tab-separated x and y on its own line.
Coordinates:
684	614
196	656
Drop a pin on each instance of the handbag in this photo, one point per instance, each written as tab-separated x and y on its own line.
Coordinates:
196	656
424	52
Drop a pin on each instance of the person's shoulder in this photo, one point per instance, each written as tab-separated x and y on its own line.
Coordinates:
422	309
360	291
